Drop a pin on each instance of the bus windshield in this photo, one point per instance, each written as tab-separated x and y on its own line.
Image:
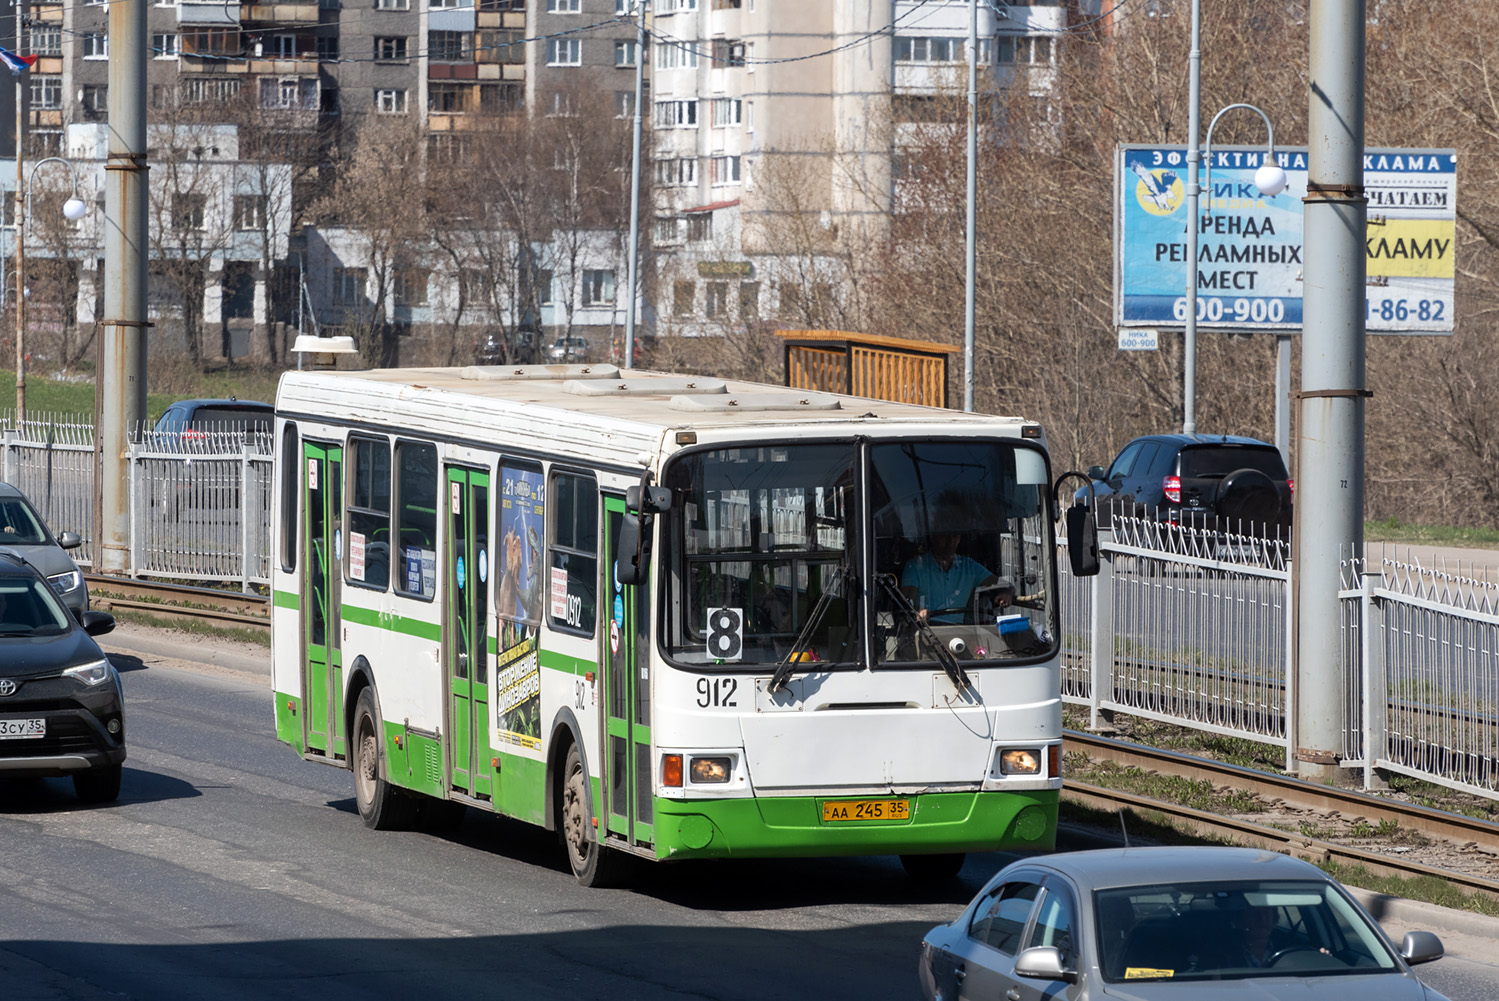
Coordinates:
802	551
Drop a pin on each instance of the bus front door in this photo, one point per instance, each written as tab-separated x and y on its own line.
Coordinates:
465	628
322	671
629	810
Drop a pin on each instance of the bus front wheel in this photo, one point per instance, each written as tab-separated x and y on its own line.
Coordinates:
381	806
593	863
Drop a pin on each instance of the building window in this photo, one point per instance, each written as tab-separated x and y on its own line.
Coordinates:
564	52
95	45
541	283
683	294
410	287
716	301
624	104
667	231
502	46
928	50
446	97
501	98
1032	50
724	170
926	108
46	92
46	41
563	6
624	53
676	55
676	171
573	544
391	48
290	93
348	286
700	226
390	102
95	100
728	52
189	210
450	46
369	512
749	301
393	4
726	4
283	46
598	287
676	114
727	111
249	212
327	46
164	46
209	90
211	42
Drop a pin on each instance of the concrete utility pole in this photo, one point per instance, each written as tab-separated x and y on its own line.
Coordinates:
122	360
633	267
21	86
1330	434
1194	193
970	254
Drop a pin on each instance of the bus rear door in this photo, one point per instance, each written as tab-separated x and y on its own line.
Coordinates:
465	628
322	671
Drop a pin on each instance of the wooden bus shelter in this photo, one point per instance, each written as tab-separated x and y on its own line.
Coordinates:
881	368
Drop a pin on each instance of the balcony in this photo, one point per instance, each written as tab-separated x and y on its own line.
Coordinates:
280	13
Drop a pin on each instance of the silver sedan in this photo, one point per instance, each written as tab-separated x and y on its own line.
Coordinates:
1148	924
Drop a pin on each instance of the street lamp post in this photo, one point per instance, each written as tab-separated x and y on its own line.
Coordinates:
1270	179
73	209
633	265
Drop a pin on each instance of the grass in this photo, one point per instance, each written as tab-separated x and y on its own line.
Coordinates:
1430	889
255	636
75	395
1394	530
1199	794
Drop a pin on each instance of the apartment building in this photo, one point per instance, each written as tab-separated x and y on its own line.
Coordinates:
778	127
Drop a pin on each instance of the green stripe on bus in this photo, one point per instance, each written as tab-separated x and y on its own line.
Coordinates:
404	625
792	826
286	599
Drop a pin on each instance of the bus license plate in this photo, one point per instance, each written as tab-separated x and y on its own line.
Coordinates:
13	728
837	810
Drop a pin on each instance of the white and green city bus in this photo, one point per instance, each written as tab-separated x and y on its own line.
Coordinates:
668	617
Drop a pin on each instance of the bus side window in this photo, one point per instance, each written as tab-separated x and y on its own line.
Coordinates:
367	556
291	466
573	550
416	504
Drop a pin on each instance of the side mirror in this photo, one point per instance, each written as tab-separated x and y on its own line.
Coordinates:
641	502
99	623
1044	962
70	540
1421	947
1082	530
648	499
1095	472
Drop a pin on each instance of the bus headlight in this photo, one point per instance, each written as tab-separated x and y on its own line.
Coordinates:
706	770
1020	761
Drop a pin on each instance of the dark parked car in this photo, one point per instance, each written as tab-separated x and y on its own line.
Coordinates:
1141	924
27	537
1221	483
189	418
61	709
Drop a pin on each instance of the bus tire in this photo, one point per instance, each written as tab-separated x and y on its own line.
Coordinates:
593	863
930	868
381	806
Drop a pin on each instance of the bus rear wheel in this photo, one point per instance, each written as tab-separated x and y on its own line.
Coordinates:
933	867
592	862
381	806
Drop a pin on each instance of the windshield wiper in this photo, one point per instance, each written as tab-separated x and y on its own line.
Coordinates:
955	672
803	642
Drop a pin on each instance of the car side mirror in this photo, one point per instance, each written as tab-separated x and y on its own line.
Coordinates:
70	540
1421	947
99	623
1044	962
1095	472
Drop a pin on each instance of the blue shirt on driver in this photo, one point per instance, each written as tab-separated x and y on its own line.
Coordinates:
939	588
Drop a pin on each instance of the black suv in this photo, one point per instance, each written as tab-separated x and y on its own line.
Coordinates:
61	708
1220	483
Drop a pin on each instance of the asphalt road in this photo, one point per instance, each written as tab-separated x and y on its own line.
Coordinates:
232	870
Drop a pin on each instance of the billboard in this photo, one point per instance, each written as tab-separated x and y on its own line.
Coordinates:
1249	256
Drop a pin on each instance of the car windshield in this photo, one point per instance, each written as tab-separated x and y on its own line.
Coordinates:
19	524
1220	460
1234	930
766	560
29	608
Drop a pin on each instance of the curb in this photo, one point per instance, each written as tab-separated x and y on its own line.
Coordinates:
207	654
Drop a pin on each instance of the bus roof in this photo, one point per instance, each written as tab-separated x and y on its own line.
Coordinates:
601	411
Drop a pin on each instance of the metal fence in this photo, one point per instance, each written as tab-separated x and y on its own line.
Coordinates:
1186	627
199	502
1194	629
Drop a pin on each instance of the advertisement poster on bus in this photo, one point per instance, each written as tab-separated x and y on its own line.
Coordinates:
518	604
1250	256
